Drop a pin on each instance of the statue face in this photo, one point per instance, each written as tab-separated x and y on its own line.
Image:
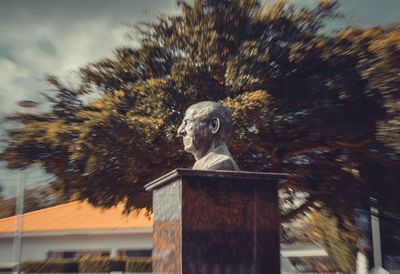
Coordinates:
196	133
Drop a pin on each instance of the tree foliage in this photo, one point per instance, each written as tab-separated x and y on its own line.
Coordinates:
322	107
34	199
339	240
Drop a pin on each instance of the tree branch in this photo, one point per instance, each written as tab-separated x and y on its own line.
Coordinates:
360	143
325	148
305	206
305	150
285	183
300	187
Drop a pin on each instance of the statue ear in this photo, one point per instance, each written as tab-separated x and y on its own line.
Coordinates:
214	125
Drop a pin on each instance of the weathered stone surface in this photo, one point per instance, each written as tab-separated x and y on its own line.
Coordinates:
167	231
212	222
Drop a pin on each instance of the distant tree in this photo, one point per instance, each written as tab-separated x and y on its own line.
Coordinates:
340	240
6	209
34	199
321	107
42	197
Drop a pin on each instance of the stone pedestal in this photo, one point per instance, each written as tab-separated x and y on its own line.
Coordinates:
214	222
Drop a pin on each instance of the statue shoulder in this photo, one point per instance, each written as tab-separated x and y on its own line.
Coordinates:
222	162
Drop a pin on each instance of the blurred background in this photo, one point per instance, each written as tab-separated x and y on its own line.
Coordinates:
92	92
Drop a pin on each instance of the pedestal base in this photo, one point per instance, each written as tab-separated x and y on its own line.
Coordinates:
214	222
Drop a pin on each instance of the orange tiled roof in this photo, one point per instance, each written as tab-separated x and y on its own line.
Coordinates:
77	216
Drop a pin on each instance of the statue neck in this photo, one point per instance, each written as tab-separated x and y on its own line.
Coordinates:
214	144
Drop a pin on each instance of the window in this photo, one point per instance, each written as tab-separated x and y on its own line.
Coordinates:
76	253
135	253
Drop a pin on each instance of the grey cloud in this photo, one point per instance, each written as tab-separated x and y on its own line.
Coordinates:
47	46
67	11
45	36
6	50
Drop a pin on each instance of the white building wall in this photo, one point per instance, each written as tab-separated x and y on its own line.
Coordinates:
37	248
6	245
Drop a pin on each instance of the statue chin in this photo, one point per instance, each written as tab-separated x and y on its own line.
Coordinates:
188	147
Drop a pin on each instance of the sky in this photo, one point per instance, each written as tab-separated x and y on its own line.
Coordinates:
39	37
57	37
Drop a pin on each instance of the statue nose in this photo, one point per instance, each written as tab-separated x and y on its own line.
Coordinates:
181	130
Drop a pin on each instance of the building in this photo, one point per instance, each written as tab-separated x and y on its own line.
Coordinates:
75	229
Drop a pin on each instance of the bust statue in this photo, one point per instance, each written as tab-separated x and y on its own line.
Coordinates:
205	128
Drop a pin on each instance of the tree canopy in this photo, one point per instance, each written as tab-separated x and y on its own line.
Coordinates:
322	107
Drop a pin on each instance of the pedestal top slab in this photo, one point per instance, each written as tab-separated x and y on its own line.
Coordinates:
186	172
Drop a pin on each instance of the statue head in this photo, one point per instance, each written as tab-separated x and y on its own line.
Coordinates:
206	125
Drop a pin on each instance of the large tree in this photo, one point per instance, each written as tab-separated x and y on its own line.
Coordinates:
321	107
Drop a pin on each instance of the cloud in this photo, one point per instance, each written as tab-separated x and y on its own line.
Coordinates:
10	79
56	37
48	48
